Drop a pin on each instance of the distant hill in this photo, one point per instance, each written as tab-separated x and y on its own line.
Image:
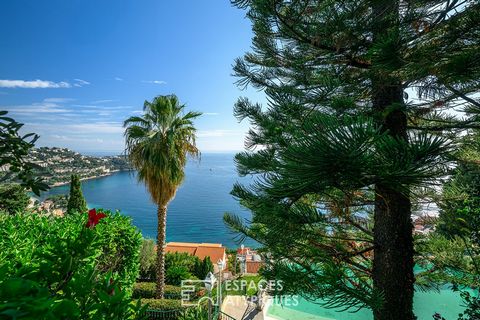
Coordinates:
56	165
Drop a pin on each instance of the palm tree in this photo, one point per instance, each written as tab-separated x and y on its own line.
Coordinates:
157	146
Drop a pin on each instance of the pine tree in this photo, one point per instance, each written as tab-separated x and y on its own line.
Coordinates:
76	201
356	127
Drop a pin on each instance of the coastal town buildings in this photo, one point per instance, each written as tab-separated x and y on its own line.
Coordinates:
250	260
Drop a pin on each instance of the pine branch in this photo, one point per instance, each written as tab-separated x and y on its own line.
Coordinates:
351	61
463	96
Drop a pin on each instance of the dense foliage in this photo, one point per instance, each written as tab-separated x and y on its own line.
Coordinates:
197	313
13	198
13	151
76	267
157	146
176	274
147	260
202	267
147	290
76	201
232	264
163	304
452	253
356	133
178	266
180	259
460	204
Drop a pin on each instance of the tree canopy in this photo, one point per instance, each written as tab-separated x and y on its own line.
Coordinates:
14	149
158	144
358	130
13	198
76	201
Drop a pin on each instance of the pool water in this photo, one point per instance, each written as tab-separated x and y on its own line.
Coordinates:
446	302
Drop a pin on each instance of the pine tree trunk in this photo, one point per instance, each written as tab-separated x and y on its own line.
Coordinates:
161	232
393	259
393	256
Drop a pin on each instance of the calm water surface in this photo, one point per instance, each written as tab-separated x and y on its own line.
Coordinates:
195	215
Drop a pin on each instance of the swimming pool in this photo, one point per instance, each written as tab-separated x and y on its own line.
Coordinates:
446	302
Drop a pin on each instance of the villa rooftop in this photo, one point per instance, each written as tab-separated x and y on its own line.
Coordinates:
201	250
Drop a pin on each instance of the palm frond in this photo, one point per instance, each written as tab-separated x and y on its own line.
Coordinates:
157	145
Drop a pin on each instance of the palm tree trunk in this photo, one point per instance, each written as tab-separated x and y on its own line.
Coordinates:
161	232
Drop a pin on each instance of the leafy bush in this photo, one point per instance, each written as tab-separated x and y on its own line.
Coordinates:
148	257
59	268
120	243
198	313
175	275
162	304
180	259
147	290
202	268
13	198
193	265
232	264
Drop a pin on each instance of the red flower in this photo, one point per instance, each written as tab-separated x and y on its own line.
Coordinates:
112	291
94	218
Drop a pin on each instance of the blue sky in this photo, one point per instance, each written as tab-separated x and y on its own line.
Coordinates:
73	70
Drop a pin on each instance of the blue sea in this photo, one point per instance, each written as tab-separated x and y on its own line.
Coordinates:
195	215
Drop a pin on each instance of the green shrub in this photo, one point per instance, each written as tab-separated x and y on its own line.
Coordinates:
13	198
120	243
193	265
180	259
147	290
197	313
58	268
147	257
175	275
202	267
162	304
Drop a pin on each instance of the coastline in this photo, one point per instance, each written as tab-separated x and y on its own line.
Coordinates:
58	184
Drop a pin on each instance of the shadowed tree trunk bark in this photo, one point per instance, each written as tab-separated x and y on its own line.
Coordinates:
161	232
393	257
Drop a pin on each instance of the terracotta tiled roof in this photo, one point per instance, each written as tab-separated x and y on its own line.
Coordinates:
183	249
215	253
254	266
201	250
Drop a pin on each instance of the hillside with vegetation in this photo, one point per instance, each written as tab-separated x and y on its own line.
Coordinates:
56	165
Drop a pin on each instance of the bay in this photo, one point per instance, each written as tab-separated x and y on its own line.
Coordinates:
194	215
